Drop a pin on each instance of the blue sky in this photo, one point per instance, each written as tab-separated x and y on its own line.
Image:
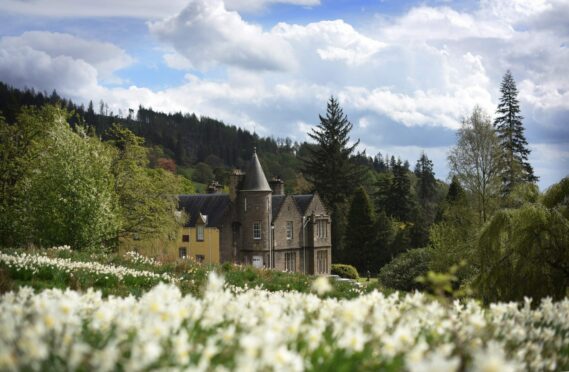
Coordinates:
405	72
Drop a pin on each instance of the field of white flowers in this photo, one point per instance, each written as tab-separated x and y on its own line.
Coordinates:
230	328
35	262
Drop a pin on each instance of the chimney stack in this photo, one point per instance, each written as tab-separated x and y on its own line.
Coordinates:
277	185
235	179
214	187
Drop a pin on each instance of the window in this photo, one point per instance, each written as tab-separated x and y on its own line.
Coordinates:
200	258
257	230
245	204
322	262
185	238
289	231
322	229
200	231
182	253
290	261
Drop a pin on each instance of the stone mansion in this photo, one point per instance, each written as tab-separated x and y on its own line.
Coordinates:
257	224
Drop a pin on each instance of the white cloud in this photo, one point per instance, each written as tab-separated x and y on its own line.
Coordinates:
331	41
205	33
106	58
27	67
146	9
426	23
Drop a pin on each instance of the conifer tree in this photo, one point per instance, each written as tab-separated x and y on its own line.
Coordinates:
361	220
400	201
330	168
510	130
455	191
426	182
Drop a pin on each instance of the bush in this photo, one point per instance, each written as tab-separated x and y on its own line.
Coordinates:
401	273
345	271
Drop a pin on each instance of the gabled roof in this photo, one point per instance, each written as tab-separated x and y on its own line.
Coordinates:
303	201
255	179
277	202
211	205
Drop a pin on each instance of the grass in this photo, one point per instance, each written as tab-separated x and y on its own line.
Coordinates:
189	276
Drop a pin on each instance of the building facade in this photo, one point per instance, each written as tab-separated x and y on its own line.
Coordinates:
257	224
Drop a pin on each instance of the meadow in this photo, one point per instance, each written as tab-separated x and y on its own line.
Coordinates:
66	310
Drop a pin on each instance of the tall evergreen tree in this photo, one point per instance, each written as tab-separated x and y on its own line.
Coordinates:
426	182
330	168
510	130
400	201
361	220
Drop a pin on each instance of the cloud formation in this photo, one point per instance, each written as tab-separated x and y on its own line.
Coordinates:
145	9
405	81
205	33
75	67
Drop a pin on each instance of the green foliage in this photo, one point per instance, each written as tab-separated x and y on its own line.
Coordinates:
402	272
452	244
476	160
524	252
329	166
510	130
455	191
443	285
453	237
66	194
557	196
360	232
18	149
203	173
400	201
147	197
344	271
426	183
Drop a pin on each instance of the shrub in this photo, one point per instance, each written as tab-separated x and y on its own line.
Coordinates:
401	273
345	271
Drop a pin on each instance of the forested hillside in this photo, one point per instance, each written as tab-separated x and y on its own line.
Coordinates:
201	148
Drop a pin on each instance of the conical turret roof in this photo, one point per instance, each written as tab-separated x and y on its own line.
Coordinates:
255	179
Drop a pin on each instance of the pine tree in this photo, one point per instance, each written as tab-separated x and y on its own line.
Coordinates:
361	220
426	182
400	202
330	168
510	130
455	191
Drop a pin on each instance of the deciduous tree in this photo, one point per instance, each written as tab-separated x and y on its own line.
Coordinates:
476	160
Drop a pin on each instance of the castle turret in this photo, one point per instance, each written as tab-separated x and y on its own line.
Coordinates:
255	212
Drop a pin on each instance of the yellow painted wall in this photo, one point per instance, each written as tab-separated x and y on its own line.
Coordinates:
209	247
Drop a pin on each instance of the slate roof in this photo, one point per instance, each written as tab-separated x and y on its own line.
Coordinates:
255	179
277	202
211	205
303	201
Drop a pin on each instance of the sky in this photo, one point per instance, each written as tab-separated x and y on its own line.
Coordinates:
405	72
